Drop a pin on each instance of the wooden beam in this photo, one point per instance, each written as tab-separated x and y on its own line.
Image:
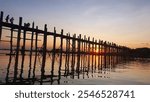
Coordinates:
1	20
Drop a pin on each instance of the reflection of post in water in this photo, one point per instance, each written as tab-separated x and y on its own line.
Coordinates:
44	47
17	50
8	69
31	50
36	50
23	53
60	60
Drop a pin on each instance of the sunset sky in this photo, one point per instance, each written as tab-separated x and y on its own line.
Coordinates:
125	22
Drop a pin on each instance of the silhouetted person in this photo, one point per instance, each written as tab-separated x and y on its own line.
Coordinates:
7	19
12	20
27	25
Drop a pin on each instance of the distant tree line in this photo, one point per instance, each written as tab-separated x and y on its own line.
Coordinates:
140	53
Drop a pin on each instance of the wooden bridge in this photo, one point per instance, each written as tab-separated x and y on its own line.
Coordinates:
75	47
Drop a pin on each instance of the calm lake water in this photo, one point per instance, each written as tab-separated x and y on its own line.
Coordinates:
114	72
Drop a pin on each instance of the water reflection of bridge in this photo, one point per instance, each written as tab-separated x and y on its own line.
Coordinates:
81	54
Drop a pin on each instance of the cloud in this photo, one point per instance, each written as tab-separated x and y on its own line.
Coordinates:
91	11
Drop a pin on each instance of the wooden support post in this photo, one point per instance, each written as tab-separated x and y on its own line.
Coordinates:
86	63
69	52
66	59
83	54
60	60
105	54
31	50
36	50
23	53
89	53
95	54
11	40
109	55
61	47
78	54
54	41
73	53
31	47
1	20
44	49
92	53
24	42
99	52
102	51
74	43
86	53
84	50
53	55
17	50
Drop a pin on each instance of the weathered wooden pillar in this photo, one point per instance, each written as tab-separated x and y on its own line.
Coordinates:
102	53
99	52
74	50
67	54
86	63
92	53
110	54
17	50
73	53
69	51
105	54
31	50
81	55
36	51
89	53
23	52
60	60
66	57
96	54
1	20
11	40
53	55
44	49
31	47
78	53
84	50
